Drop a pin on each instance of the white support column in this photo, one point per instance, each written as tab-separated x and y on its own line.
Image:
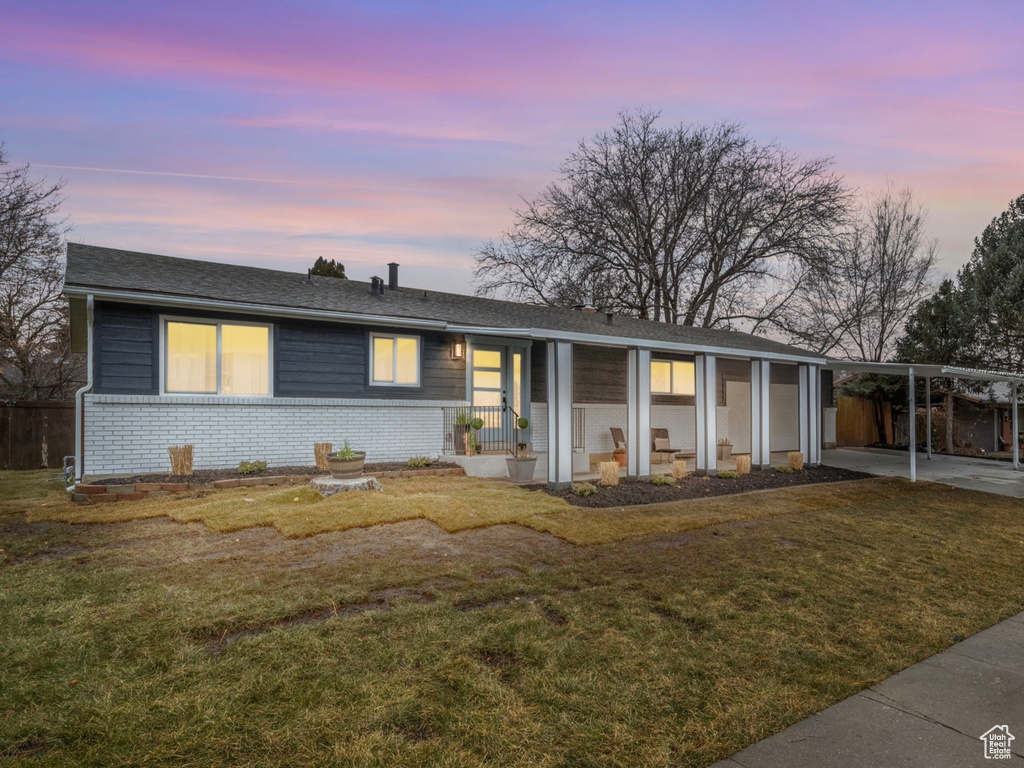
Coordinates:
559	364
1013	427
814	415
803	406
928	417
707	414
760	399
912	427
638	412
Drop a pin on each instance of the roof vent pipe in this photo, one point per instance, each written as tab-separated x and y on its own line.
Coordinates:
588	304
377	285
392	276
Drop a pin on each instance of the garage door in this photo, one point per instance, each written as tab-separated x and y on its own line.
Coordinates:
784	410
737	397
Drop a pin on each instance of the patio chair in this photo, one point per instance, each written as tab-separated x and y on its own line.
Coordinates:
661	444
618	438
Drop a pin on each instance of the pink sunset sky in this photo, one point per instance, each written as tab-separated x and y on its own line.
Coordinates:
272	133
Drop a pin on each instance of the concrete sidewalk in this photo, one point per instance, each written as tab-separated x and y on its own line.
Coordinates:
931	715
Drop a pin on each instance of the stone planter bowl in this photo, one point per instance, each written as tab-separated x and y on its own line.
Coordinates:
346	469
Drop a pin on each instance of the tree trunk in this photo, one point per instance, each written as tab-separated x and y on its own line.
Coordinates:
880	419
949	423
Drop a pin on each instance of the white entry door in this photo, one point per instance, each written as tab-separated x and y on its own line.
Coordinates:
737	398
784	420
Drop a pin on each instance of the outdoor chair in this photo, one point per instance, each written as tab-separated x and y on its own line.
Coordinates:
661	444
618	438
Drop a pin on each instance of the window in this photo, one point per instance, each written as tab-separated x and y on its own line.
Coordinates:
394	360
672	377
216	358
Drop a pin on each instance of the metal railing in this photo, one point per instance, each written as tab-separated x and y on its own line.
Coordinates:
497	432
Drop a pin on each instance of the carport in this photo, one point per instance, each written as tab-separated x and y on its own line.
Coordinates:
912	371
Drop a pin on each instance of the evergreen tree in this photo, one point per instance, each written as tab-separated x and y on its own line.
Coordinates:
944	330
994	277
325	268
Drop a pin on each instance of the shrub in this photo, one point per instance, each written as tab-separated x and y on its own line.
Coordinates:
785	470
251	467
348	452
584	489
663	480
728	474
419	461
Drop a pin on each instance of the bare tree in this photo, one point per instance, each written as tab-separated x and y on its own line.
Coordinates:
35	357
856	303
688	225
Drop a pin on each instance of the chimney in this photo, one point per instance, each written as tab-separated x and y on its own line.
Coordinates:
377	286
608	317
588	304
392	276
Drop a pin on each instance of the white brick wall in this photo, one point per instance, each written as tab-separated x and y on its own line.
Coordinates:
126	433
680	420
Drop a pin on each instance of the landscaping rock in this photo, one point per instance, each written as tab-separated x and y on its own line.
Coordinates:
174	487
328	486
233	483
146	487
90	489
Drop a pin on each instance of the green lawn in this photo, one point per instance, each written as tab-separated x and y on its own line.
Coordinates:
724	621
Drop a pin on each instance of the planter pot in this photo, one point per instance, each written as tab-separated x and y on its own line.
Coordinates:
520	470
622	458
724	452
460	434
346	469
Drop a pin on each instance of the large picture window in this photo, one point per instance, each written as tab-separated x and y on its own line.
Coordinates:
213	358
394	360
673	377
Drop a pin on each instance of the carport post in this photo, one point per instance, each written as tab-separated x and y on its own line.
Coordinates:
1013	422
913	428
928	416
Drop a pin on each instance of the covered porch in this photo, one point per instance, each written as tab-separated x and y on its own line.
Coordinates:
584	398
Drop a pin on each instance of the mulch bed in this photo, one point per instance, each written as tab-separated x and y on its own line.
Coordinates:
633	492
210	475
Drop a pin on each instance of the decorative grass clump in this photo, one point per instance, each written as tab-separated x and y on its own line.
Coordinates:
785	470
796	460
679	469
728	474
663	480
320	451
743	464
181	459
609	473
419	461
251	467
584	489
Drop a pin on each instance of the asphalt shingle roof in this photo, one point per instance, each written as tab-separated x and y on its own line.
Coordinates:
95	267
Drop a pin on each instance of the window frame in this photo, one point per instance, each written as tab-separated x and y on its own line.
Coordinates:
394	336
218	323
672	378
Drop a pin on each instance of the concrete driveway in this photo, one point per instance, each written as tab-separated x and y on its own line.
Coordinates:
963	472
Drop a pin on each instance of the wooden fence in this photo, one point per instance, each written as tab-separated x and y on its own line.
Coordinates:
36	434
855	422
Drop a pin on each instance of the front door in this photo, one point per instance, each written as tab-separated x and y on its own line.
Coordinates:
488	391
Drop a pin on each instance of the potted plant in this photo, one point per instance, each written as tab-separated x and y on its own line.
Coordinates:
724	449
620	455
460	433
346	464
522	465
476	425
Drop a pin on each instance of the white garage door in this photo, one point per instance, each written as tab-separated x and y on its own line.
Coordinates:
784	410
737	397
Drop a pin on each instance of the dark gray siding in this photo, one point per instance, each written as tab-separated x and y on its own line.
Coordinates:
785	373
125	349
828	396
599	374
311	359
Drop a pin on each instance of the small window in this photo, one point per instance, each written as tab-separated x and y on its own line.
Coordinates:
672	377
394	360
216	358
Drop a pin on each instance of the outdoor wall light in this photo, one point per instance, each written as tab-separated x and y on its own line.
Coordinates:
459	350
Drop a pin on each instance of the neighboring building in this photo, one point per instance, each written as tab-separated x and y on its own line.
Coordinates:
248	363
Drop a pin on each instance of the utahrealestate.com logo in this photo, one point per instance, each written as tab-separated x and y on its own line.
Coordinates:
997	742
